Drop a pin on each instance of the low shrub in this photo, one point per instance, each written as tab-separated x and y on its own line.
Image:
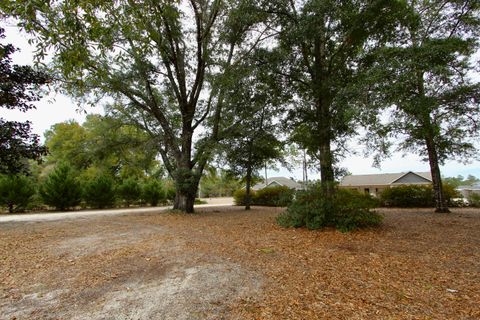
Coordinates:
345	210
99	192
61	188
240	196
271	197
409	196
153	192
16	192
474	200
274	196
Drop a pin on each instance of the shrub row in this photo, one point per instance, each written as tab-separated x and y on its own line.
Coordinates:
410	196
63	190
345	210
271	197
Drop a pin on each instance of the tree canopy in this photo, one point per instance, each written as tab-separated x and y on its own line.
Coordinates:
19	87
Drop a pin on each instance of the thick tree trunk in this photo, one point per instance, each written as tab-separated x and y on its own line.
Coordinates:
248	196
440	201
184	202
324	142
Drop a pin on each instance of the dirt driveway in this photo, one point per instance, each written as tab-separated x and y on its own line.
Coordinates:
224	263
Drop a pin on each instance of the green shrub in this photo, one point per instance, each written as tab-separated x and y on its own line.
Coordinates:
99	192
16	192
129	191
474	200
274	196
153	192
409	196
61	188
346	210
271	196
200	201
240	197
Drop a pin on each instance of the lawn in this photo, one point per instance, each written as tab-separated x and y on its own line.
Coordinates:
225	263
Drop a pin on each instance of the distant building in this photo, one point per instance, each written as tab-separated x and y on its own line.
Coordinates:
466	191
278	182
374	184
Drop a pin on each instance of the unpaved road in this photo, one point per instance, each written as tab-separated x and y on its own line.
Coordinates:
225	263
49	216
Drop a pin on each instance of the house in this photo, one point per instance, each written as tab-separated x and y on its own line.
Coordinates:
466	191
278	182
374	184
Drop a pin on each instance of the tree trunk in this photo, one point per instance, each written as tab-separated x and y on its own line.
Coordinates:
184	202
248	197
440	201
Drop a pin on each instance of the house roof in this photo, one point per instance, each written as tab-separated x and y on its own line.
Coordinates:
278	181
386	179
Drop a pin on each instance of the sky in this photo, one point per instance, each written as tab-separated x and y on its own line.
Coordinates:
56	107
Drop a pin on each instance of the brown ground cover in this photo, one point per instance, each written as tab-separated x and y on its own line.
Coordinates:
224	263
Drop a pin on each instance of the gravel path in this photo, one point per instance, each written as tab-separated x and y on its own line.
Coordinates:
51	216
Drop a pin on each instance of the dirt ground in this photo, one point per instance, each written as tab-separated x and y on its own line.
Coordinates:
225	263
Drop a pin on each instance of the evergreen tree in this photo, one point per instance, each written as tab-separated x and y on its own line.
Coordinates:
16	192
61	188
99	192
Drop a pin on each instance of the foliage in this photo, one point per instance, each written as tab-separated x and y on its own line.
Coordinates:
461	181
153	192
422	78
320	46
61	188
103	142
217	183
99	192
474	200
19	87
409	196
16	192
272	196
346	210
239	197
280	196
129	191
169	72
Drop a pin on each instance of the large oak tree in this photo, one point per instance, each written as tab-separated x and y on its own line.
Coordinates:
162	59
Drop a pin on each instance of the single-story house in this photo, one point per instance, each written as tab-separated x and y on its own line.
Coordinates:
466	191
278	182
374	184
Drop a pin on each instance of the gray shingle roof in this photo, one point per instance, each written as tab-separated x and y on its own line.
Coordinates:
278	180
381	179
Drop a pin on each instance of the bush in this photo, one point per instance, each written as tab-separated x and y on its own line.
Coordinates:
153	192
274	196
271	196
409	196
129	191
16	192
474	200
61	188
346	210
240	197
99	192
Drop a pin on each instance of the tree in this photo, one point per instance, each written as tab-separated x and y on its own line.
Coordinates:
16	192
61	188
104	142
129	191
153	192
162	59
19	87
99	192
253	102
322	42
423	76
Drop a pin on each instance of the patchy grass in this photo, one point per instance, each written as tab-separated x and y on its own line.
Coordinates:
231	264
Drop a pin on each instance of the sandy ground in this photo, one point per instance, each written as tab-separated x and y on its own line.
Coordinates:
225	263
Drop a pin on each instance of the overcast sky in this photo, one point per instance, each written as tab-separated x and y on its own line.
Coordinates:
56	108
